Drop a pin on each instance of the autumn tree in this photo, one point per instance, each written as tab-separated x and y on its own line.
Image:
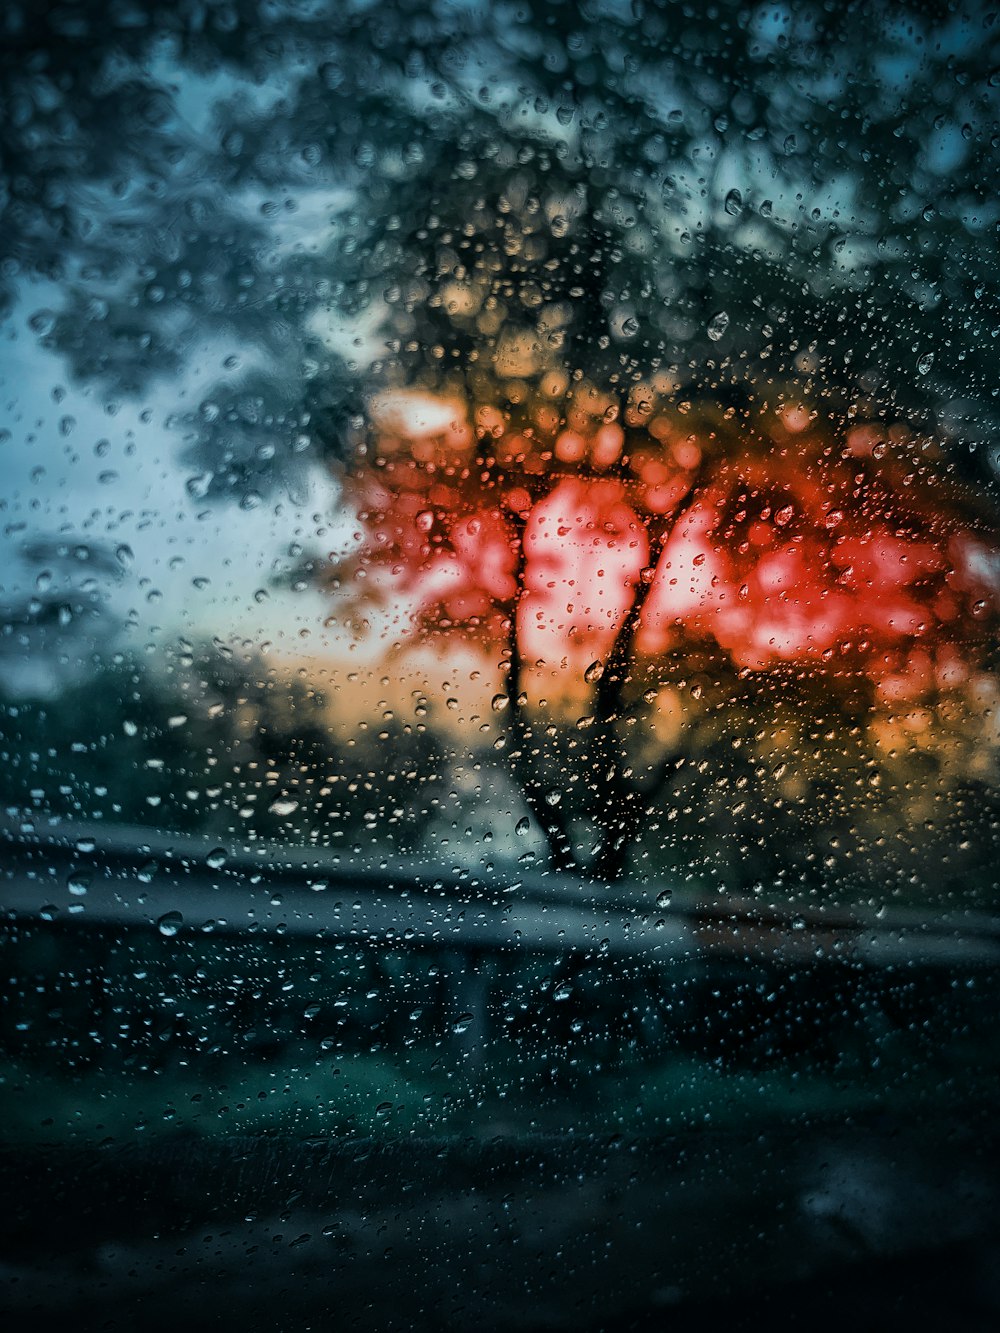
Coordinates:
588	543
716	295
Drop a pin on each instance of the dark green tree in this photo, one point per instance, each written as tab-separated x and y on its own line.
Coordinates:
742	194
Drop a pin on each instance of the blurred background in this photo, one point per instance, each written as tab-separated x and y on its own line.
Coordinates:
530	455
764	241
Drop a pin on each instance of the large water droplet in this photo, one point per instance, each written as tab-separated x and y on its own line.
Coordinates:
170	923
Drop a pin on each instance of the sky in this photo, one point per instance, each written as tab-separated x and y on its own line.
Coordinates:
70	468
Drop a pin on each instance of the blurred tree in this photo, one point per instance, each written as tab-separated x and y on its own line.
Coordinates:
484	193
628	235
587	552
213	740
50	636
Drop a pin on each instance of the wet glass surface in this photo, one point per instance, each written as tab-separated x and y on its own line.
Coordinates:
499	761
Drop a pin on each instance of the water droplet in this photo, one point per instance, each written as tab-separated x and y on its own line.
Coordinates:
216	858
78	884
563	991
663	897
718	324
42	321
85	844
925	363
283	806
170	923
461	1023
198	487
734	203
522	826
594	672
499	702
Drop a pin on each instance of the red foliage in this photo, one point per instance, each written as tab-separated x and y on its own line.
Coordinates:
792	558
781	547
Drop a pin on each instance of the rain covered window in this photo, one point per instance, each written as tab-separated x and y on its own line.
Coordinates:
499	659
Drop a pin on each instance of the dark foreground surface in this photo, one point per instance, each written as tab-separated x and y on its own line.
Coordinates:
871	1225
248	1100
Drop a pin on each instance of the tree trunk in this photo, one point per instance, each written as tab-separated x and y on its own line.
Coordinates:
549	818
